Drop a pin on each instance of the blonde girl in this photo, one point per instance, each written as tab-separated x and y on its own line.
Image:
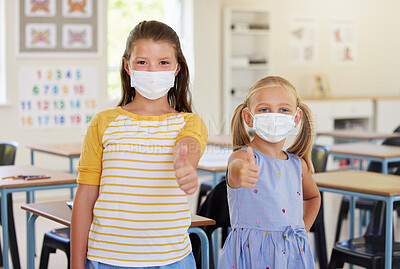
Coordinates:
138	163
273	199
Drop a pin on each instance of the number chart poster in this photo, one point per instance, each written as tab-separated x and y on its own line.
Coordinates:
57	97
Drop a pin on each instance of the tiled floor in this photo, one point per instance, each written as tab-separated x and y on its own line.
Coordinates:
59	260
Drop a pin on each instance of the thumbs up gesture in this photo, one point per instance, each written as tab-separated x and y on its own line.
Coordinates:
185	173
243	172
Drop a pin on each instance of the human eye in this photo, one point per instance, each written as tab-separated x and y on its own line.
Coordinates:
141	62
164	63
284	110
264	110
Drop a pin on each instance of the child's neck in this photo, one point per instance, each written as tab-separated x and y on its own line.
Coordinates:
273	150
146	107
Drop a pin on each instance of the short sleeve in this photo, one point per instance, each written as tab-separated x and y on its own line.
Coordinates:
90	163
196	128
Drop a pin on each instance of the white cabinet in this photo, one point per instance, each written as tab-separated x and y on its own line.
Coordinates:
245	53
387	114
331	114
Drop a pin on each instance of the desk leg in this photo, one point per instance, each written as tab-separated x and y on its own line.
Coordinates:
30	198
352	209
385	166
71	165
32	161
389	232
215	243
30	243
205	257
4	222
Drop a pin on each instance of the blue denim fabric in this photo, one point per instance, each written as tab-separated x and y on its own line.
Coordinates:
186	263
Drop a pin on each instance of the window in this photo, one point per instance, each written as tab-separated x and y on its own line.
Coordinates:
123	15
2	53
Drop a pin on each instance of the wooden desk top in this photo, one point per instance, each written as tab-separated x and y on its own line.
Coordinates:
366	150
61	213
359	134
57	177
360	181
65	149
220	140
212	169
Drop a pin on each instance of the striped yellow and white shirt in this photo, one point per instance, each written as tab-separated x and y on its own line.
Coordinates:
141	216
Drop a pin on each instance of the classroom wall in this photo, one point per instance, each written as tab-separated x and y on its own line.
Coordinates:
9	113
377	68
375	73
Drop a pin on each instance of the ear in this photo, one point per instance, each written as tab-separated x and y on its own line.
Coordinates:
247	117
178	68
126	66
298	117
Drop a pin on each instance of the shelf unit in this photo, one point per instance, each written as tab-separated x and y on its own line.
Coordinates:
246	56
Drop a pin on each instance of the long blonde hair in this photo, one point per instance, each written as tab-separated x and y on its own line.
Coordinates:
302	145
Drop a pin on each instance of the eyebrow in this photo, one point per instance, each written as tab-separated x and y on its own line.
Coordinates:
266	104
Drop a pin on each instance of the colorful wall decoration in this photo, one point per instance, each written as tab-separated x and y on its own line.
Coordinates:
58	26
57	97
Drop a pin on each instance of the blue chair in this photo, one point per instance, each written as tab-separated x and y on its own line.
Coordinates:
8	151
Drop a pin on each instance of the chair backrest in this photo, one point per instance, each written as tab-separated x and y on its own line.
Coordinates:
394	168
393	141
8	151
319	157
215	206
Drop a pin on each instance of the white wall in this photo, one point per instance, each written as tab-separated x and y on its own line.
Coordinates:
9	113
377	69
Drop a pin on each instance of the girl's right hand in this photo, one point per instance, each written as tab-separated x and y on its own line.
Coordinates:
243	172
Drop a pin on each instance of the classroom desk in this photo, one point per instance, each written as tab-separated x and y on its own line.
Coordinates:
70	150
370	185
61	213
353	135
370	152
214	162
57	180
220	140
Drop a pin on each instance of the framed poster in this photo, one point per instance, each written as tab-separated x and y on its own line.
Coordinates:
60	27
57	97
303	41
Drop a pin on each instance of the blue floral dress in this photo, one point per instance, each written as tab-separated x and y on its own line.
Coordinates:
267	220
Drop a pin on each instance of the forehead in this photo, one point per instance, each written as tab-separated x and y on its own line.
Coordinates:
149	47
274	95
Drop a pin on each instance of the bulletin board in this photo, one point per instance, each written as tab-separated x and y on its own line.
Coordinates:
57	26
57	97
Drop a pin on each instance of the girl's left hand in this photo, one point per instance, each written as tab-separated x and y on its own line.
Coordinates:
185	173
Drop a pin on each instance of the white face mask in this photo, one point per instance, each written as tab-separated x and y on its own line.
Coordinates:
273	127
153	85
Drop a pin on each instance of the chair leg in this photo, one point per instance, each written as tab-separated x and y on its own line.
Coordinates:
336	261
44	256
1	257
12	234
344	209
68	257
318	228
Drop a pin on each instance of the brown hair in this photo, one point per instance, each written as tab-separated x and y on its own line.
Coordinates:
179	96
302	146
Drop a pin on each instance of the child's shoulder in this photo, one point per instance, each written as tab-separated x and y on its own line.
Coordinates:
105	116
108	113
